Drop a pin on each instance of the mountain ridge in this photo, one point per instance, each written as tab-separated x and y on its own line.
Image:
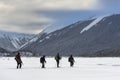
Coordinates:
101	37
10	41
104	35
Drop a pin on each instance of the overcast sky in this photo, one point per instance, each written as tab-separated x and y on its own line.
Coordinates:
32	16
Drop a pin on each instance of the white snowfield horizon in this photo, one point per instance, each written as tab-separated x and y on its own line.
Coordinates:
84	69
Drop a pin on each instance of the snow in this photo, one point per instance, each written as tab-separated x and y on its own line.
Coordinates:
14	34
48	37
41	40
15	42
92	24
84	69
29	42
34	39
109	23
72	26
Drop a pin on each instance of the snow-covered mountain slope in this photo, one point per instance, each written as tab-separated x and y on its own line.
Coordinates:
97	20
102	34
32	40
11	41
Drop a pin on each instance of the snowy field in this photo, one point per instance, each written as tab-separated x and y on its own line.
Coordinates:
84	69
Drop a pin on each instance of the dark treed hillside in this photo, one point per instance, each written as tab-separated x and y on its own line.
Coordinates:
104	35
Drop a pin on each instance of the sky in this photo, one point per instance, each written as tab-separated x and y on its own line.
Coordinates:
33	16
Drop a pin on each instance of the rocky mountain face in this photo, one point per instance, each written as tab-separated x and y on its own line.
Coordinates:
85	38
10	41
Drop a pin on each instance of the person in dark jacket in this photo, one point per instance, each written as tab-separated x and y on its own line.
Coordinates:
71	60
18	60
58	58
43	61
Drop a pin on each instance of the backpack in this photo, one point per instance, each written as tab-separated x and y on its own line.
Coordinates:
41	60
16	58
70	60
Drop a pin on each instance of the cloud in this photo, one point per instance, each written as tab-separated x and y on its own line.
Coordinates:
110	4
21	15
69	4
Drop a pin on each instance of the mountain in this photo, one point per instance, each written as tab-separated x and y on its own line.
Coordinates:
84	38
11	41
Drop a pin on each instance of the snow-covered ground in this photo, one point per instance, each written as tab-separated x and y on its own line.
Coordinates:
84	69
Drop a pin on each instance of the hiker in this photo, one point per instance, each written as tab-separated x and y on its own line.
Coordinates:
57	58
71	60
18	60
43	61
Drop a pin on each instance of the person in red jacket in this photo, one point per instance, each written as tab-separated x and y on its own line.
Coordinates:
18	60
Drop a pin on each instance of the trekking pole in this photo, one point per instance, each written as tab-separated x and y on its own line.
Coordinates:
22	63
